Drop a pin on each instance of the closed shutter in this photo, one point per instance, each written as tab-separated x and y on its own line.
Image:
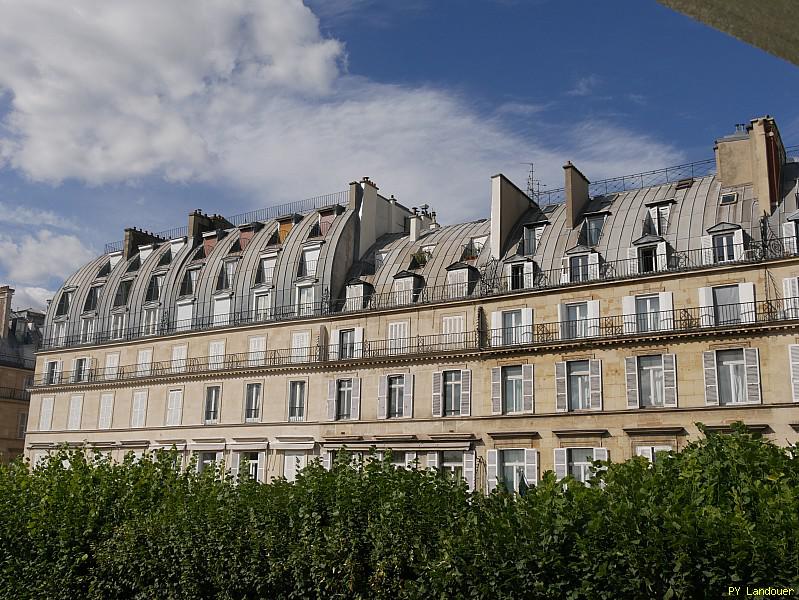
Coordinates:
666	301
257	348
46	414
631	377
561	399
593	266
382	397
561	463
139	412
216	355
331	399
738	244
496	390
111	366
221	311
75	410
601	454
790	292
670	380
183	316
711	383
437	394
432	460
793	359
527	326
661	252
529	270
178	359
356	398
706	317
496	328
59	368
407	398
628	312
491	470
707	250
466	392
469	469
593	317
564	269
595	384
531	466
106	411
327	460
235	459
789	237
357	351
632	261
752	364
335	339
528	389
746	296
174	409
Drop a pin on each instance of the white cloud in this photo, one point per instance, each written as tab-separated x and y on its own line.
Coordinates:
23	215
31	297
31	260
584	86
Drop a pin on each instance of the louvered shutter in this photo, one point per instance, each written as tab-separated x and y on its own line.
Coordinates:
746	296
789	237
491	470
111	366
257	351
358	350
593	318
335	338
528	389
790	291
666	302
531	466
496	390
59	368
356	398
561	463
529	271
469	469
706	316
595	384
561	399
382	397
527	326
601	454
496	329
707	250
670	380
432	460
793	359
179	358
466	392
327	461
752	365
628	312
563	326
564	270
261	472
235	458
711	383
436	394
738	244
661	252
46	414
593	266
632	261
407	397
183	316
631	377
331	399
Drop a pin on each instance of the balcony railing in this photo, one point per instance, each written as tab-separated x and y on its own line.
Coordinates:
678	321
672	262
7	393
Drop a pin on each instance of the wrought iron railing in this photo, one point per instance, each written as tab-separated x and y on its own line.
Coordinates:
14	360
668	322
7	393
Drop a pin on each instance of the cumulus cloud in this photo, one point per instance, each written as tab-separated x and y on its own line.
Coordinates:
31	260
26	216
31	297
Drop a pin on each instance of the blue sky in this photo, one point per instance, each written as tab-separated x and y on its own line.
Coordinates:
133	113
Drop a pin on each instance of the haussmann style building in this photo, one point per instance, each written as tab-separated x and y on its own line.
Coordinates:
599	321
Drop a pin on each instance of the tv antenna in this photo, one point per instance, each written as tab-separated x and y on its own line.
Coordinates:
533	185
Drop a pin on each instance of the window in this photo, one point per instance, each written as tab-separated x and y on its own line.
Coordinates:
576	325
729	197
111	369
593	230
189	283
92	298
155	288
511	327
117	326
458	283
46	414
75	410
139	409
650	380
723	247
651	452
452	464
512	469
647	313
577	374
87	326
403	290
517	277
343	399
63	304
79	370
659	215
453	329
512	389
174	408
150	321
224	280
144	359
252	408
216	354
256	355
60	333
262	307
346	348
647	259
253	463
578	268
380	259
296	401
396	395
355	297
305	300
293	463
179	360
532	236
579	463
106	411
731	370
22	424
310	258
266	271
222	310
123	292
205	460
300	346
51	372
727	305
213	395
452	393
398	337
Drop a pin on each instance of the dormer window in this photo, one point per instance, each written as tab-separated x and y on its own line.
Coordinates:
578	265
405	288
725	243
155	288
472	249
92	298
266	271
532	237
227	273
458	280
659	219
166	258
105	270
593	229
134	265
729	198
380	258
648	254
308	262
189	283
356	295
63	304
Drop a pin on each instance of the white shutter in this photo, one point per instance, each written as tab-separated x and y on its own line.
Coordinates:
58	370
327	461
529	271
382	397
531	466
527	326
179	358
144	359
492	468
746	296
466	392
707	250
174	410
738	244
356	398
593	318
564	270
235	459
563	325
645	451
335	339
410	458
752	365
632	261
631	377
106	411
436	394
496	329
706	317
653	216
221	311
469	469
432	460
561	463
601	454
666	302
595	383
593	266
711	383
793	360
628	312
661	253
46	414
111	366
790	292
331	399
75	410
561	399
216	355
670	380
789	237
183	316
407	398
496	390
257	351
528	389
358	350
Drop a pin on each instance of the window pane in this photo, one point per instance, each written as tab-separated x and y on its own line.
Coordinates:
578	384
731	376
726	301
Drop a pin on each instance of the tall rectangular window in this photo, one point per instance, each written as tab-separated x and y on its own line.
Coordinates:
216	354
723	247
578	268
60	333
398	337
226	275
63	304
80	372
262	307
144	361
511	327
647	313
531	235
650	380
451	464
300	346
343	399
189	283
46	414
117	326
512	389
578	384
155	288
252	408
731	370
458	283
576	325
453	329
75	410
174	408
150	321
22	424
403	290
111	370
305	300
51	374
266	271
213	396
452	393
517	277
512	469
396	395
593	230
106	411
647	259
253	463
123	293
139	409
727	305
346	347
579	463
297	401
87	327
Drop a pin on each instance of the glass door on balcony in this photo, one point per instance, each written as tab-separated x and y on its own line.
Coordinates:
647	313
511	327
576	325
726	305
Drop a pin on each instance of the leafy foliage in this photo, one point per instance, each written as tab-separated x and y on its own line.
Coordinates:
725	511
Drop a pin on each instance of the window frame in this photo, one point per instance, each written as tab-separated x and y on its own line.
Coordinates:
297	407
585	402
253	410
448	393
217	401
395	396
518	386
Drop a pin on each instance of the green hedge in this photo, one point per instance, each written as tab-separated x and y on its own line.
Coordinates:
723	512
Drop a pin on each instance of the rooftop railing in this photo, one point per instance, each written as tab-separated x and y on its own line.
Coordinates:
717	318
571	273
